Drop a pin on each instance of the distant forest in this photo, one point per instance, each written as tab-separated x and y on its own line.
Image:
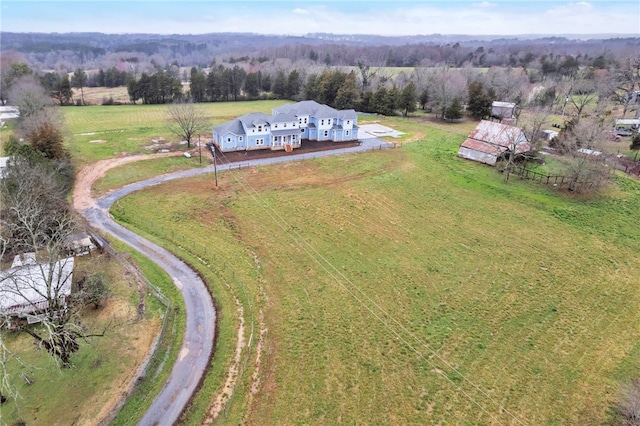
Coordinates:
147	52
376	74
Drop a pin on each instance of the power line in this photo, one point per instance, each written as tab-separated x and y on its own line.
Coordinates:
310	250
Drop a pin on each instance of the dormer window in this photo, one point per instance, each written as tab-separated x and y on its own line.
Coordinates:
275	126
285	124
259	128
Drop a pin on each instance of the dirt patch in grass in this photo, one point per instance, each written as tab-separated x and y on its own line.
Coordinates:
89	174
306	146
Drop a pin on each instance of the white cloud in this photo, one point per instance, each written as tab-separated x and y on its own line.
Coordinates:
570	8
298	11
485	5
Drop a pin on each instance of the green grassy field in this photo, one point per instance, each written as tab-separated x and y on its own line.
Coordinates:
411	287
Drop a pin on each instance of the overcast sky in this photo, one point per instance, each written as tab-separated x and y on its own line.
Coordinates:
496	17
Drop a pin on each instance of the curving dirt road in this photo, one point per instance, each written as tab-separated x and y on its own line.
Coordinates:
197	347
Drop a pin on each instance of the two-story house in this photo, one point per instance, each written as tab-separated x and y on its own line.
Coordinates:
286	128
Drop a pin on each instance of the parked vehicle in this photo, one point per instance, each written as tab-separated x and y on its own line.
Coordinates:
626	127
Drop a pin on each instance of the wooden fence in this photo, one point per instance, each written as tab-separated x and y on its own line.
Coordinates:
558	181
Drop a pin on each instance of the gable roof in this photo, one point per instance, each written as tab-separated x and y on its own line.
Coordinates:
500	136
347	114
283	117
233	126
300	108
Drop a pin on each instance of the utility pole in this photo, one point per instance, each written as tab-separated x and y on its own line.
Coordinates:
215	167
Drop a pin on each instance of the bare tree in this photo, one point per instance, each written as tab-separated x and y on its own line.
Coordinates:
517	148
532	122
586	88
628	407
582	145
37	220
627	82
28	95
446	85
186	120
508	84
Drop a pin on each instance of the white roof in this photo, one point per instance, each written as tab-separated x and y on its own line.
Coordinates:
588	151
23	289
23	260
631	121
503	104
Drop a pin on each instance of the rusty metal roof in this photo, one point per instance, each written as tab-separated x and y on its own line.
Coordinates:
485	147
501	136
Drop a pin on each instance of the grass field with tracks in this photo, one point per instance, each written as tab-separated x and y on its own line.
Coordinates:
410	287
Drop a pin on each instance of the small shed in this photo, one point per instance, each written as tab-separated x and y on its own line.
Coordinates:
79	244
502	110
490	140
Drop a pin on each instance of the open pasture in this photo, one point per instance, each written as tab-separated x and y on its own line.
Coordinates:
412	287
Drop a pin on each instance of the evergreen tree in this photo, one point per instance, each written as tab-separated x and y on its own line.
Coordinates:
62	92
408	99
293	84
635	144
198	85
311	87
280	85
348	94
454	110
479	102
424	98
252	85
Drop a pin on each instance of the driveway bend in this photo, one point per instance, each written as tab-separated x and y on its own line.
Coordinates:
197	346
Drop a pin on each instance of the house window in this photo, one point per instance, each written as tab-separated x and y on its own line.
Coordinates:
259	128
293	137
228	139
322	122
346	133
285	124
240	138
305	120
326	133
275	126
260	141
329	121
348	122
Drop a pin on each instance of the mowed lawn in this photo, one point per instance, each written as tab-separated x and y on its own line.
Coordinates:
411	287
98	132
